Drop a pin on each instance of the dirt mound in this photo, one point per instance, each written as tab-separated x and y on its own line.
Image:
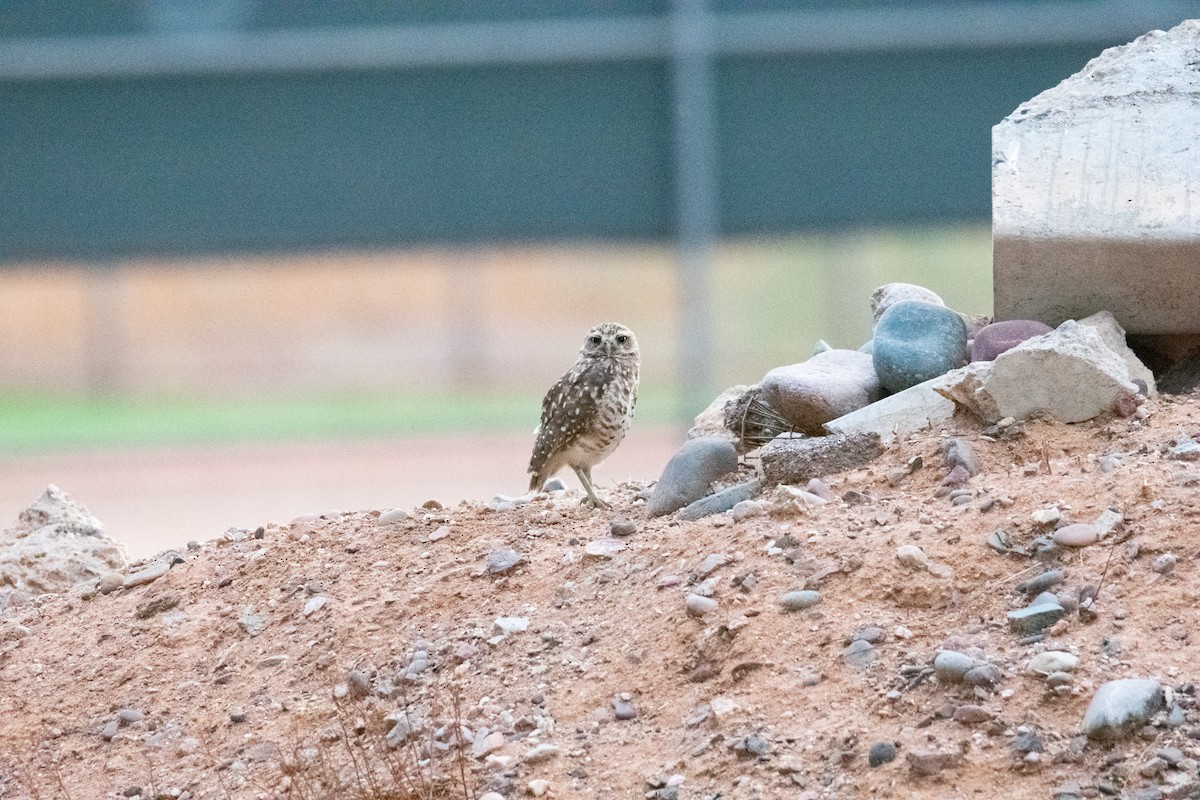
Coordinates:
229	671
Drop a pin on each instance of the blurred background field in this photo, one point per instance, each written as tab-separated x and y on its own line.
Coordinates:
416	343
259	258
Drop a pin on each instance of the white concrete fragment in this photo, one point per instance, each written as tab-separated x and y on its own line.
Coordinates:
1113	336
889	294
911	410
711	421
1095	190
54	545
1069	374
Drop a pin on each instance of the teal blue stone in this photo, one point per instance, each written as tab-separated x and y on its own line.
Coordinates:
917	341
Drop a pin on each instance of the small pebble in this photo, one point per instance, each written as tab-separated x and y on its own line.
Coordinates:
501	561
1046	516
1078	535
1165	563
623	707
393	515
985	676
881	753
971	714
509	625
128	716
798	601
540	753
746	509
538	787
603	548
1052	661
698	605
110	582
950	666
710	564
912	556
314	605
622	528
859	654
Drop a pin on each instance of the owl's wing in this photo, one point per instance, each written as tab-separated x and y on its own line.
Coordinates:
568	410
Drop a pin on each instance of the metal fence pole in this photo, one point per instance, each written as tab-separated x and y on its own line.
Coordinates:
695	196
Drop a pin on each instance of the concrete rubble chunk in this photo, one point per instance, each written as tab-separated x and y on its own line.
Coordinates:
909	411
889	294
1094	197
711	421
796	461
54	545
1070	375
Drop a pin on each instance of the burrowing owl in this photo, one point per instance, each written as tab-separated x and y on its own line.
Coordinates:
586	414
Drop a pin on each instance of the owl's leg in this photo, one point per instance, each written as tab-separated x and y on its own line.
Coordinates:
585	477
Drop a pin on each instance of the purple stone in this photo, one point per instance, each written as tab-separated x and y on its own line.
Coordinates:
994	339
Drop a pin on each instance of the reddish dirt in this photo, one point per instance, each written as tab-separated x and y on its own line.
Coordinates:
599	627
152	499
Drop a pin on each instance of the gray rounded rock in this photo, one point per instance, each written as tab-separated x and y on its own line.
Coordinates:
798	601
1080	534
985	676
1121	707
917	341
688	474
950	665
698	605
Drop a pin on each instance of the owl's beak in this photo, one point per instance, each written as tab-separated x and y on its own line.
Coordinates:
608	347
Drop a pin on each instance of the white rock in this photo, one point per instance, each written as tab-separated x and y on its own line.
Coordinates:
711	421
540	753
603	548
912	556
786	500
54	545
1052	661
1069	374
1107	522
908	411
392	516
698	605
722	706
508	625
889	294
314	605
538	787
1046	516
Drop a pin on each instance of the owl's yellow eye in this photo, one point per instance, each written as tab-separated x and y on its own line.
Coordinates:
594	340
622	339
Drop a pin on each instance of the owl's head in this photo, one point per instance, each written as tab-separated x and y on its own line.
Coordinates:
610	340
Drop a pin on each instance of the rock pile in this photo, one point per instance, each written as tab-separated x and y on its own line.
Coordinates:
925	362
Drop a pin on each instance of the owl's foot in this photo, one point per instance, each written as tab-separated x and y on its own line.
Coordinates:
595	502
585	477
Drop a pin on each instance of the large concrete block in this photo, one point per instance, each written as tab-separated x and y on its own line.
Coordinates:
1096	191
